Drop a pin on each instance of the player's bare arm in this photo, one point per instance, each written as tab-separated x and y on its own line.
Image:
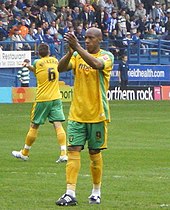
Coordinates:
92	61
26	64
63	64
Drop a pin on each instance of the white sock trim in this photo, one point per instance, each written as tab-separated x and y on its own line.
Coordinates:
96	190
63	147
27	147
71	192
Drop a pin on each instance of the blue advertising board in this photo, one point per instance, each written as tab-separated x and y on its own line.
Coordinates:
144	73
5	95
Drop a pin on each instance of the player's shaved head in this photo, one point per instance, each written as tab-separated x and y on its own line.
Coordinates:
95	31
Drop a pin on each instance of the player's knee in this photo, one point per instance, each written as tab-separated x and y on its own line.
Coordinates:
74	148
94	151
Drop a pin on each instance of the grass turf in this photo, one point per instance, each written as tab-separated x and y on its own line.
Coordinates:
136	164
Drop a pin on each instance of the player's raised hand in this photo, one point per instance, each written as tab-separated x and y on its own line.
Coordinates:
72	40
26	63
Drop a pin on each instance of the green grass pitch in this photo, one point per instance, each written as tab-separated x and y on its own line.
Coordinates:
136	164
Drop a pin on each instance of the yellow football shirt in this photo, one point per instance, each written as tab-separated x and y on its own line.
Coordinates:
46	72
89	104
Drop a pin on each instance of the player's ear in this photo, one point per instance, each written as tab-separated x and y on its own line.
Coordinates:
100	39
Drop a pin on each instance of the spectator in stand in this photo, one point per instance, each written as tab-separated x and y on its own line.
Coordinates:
122	30
39	36
69	18
15	9
20	4
53	29
164	9
71	30
140	11
45	15
50	41
105	34
167	24
57	42
157	11
20	41
3	32
136	38
16	20
68	24
85	27
112	22
33	27
17	26
102	19
76	15
61	24
47	37
142	25
23	28
134	25
34	14
27	20
131	7
62	12
158	26
44	25
150	23
128	22
4	14
89	5
150	34
31	38
148	4
127	39
79	33
53	14
115	44
101	3
110	6
87	15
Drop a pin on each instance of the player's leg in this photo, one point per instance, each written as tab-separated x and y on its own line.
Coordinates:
96	167
56	116
30	138
61	138
38	116
97	141
76	136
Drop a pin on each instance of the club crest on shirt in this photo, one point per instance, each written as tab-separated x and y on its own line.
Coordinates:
71	138
98	135
105	57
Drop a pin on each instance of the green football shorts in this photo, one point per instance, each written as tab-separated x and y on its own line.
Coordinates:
94	133
52	110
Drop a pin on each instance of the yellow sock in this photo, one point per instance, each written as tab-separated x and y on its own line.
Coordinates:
61	137
72	169
30	138
96	167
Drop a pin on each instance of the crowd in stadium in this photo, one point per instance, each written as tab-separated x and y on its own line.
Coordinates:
47	21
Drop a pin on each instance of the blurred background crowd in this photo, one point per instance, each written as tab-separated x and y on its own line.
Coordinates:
48	20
